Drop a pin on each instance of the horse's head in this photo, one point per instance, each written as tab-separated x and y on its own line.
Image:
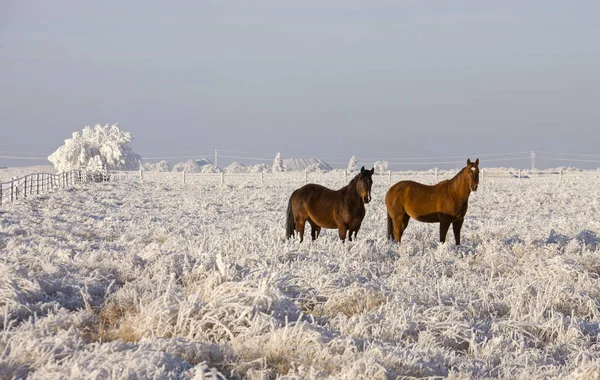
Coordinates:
472	173
364	183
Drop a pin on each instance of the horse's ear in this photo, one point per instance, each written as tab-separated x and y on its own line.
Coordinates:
372	170
362	170
477	162
468	161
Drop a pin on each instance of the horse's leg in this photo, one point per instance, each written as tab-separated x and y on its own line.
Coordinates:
314	229
399	223
444	226
456	226
342	231
354	231
300	220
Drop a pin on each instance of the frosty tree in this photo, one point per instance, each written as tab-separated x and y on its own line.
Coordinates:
352	165
100	146
381	166
277	164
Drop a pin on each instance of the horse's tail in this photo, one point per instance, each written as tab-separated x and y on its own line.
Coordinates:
390	227
290	224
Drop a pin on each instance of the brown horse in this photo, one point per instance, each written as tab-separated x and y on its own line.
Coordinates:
444	203
343	209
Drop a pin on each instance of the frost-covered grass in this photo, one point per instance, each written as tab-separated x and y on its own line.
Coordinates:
158	280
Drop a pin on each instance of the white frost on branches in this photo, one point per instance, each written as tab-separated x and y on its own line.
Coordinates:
277	164
97	147
381	166
352	165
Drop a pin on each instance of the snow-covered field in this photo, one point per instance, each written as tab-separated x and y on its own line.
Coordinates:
169	280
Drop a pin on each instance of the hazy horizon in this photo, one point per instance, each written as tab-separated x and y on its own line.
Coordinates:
371	79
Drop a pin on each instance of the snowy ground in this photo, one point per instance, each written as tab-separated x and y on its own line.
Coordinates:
156	280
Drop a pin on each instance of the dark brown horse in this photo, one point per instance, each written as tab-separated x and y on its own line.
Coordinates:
343	209
444	203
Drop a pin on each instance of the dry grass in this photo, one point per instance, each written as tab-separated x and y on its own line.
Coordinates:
353	301
115	322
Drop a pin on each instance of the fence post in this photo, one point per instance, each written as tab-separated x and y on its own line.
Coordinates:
222	178
25	188
12	190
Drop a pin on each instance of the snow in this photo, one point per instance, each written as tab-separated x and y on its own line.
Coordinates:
162	279
202	165
306	164
236	167
206	166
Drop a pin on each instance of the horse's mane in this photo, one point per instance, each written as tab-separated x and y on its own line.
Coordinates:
353	180
460	172
455	181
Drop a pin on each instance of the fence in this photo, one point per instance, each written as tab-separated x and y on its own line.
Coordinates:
39	183
331	178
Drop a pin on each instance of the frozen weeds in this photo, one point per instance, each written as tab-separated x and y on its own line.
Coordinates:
125	280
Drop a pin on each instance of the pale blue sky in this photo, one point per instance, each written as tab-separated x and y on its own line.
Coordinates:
307	78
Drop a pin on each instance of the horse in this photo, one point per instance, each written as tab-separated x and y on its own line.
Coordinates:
444	203
343	209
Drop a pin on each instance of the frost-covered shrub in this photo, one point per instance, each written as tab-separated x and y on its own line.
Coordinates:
258	168
277	164
381	166
352	165
202	165
162	166
97	147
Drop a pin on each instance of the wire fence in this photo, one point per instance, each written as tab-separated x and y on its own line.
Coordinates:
225	156
328	178
39	183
